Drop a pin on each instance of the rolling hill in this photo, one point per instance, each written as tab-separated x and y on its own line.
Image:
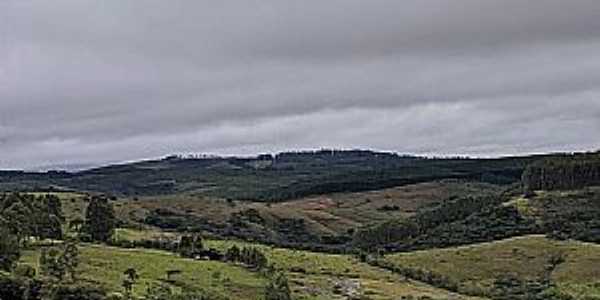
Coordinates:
270	178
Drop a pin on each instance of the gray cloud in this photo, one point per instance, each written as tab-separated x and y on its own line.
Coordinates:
92	82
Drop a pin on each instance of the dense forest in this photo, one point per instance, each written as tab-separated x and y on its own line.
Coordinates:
566	172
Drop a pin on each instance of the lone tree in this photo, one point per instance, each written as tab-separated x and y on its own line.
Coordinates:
100	221
70	259
131	277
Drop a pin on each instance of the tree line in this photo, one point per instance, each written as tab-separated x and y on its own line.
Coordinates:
24	217
567	172
455	221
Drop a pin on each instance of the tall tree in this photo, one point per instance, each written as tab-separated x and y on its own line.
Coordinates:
52	265
19	219
70	259
100	219
10	251
28	216
131	277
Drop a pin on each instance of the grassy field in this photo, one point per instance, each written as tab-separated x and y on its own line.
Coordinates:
314	275
476	266
105	266
318	272
311	275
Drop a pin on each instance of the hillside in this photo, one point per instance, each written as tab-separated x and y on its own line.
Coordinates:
456	236
568	172
571	214
270	178
326	221
312	276
479	268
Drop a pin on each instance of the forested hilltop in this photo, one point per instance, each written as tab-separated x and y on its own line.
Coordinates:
566	172
278	177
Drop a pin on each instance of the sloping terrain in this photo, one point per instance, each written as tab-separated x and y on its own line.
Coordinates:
560	214
327	219
270	178
105	266
475	268
311	275
444	239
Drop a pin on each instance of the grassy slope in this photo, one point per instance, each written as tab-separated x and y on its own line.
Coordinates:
475	265
525	257
341	211
327	214
312	275
105	265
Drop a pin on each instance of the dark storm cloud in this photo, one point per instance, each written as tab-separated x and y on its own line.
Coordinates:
97	81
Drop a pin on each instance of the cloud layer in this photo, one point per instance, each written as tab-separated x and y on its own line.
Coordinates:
105	81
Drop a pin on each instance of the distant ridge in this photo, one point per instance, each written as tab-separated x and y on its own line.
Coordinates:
268	177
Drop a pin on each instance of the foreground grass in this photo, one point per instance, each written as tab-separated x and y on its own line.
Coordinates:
316	273
314	276
105	266
477	266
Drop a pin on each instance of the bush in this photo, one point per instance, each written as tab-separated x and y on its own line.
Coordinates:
19	288
24	270
78	292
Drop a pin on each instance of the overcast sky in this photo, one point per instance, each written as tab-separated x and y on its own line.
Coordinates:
109	81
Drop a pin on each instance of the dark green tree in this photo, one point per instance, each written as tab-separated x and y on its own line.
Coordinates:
278	288
56	263
18	217
52	265
131	277
10	250
233	254
28	216
253	258
100	222
190	245
70	259
48	217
